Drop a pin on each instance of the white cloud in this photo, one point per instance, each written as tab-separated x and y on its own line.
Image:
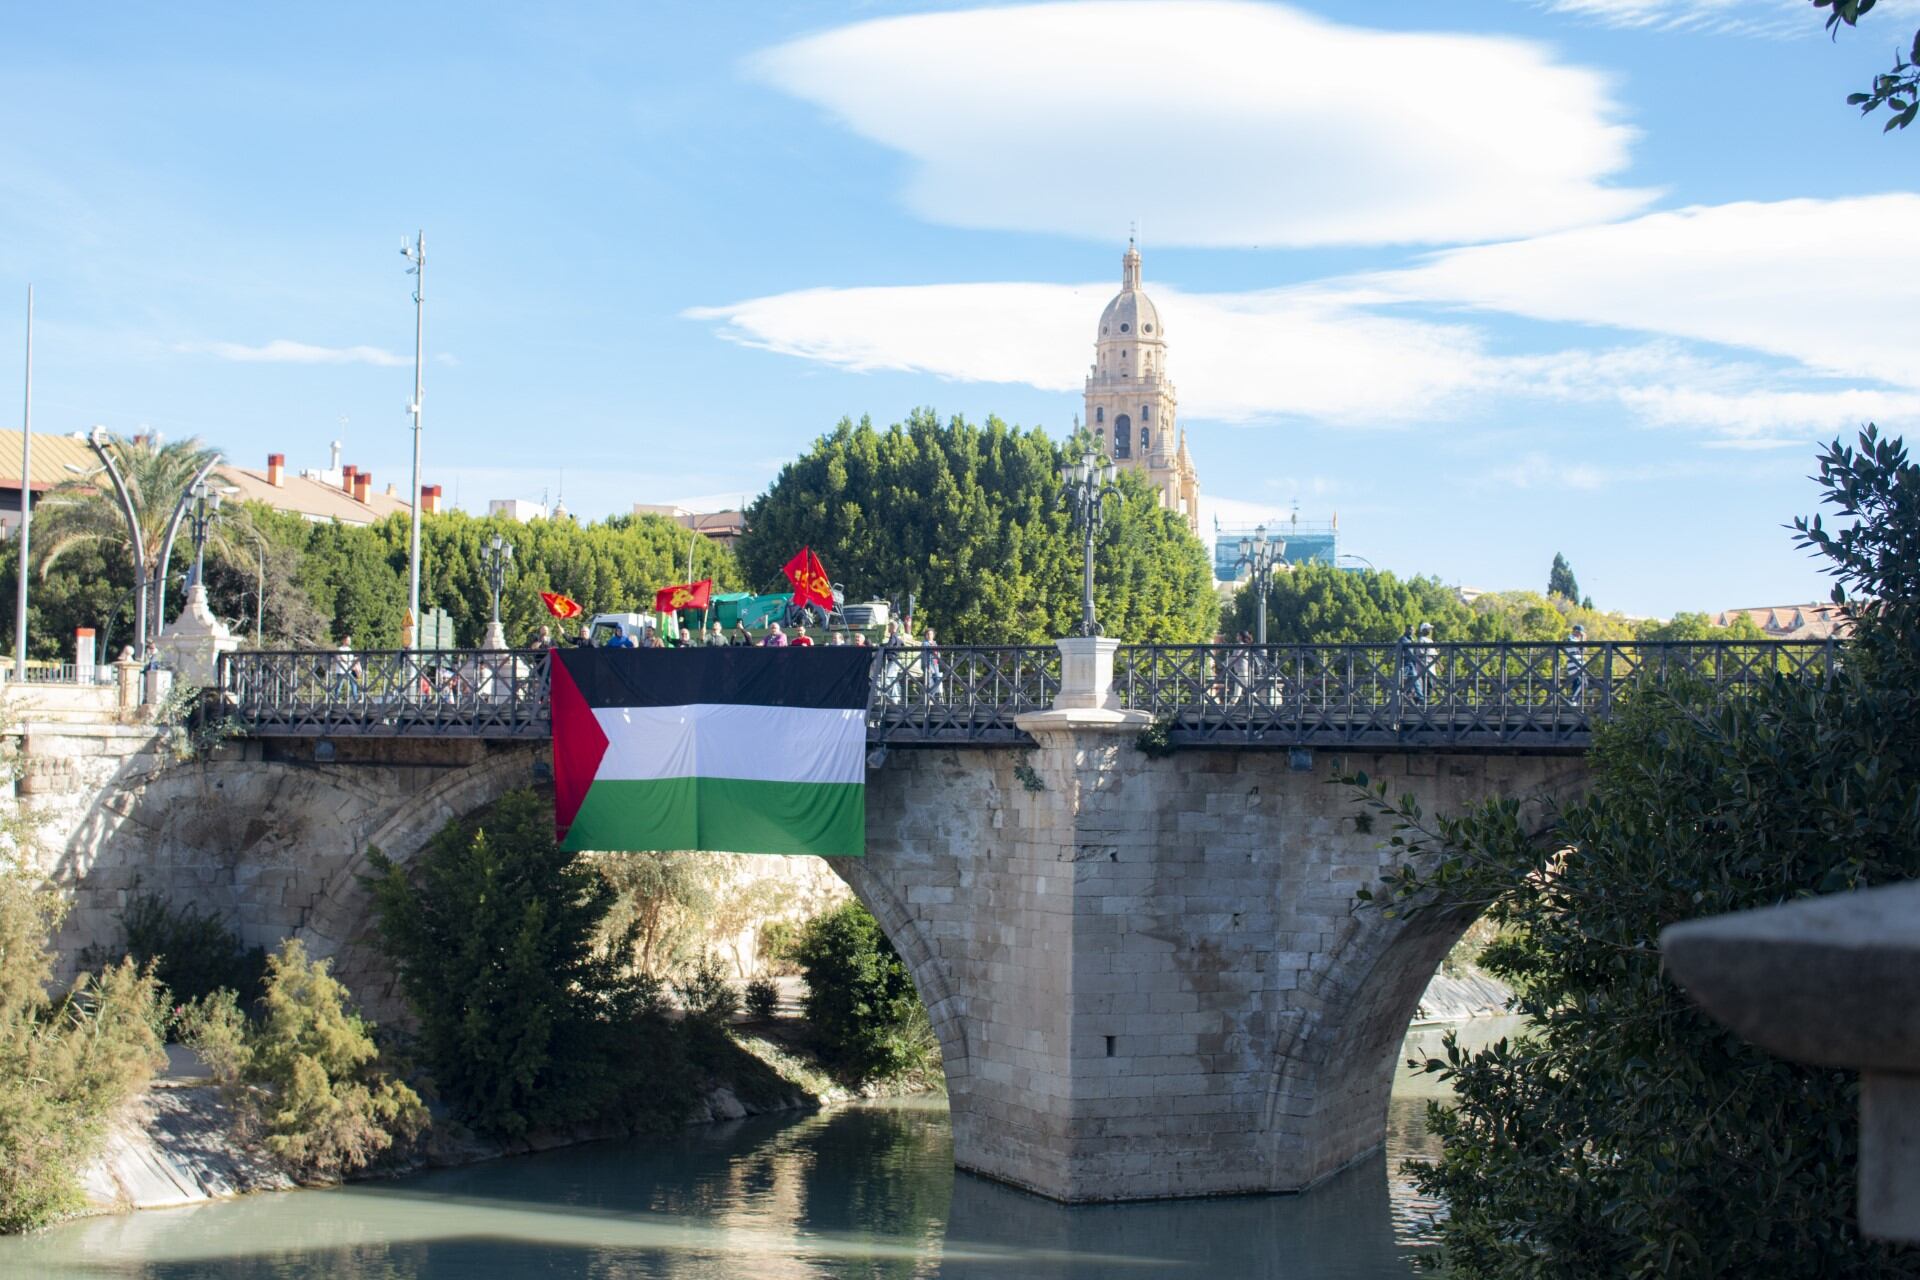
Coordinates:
1317	353
1219	123
285	351
1825	283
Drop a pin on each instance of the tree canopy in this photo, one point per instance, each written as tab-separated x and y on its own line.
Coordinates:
1625	1133
1898	90
1560	579
967	521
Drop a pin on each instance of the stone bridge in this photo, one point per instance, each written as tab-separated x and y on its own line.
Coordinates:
1148	974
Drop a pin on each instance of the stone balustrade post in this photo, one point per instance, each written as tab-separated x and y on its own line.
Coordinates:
1832	982
126	678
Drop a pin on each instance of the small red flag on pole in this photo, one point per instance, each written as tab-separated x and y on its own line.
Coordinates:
562	607
690	595
809	579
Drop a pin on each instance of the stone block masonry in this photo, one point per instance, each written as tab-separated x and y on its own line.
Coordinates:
1151	979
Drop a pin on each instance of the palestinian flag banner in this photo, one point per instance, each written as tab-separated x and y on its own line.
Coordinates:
730	750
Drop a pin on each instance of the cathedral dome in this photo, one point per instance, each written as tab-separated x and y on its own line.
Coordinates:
1131	314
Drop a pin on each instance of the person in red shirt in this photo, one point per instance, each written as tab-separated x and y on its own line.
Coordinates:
800	636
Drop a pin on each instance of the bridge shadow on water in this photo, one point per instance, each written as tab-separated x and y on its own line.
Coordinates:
865	1191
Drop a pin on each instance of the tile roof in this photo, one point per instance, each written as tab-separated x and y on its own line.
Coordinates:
310	498
1792	621
51	456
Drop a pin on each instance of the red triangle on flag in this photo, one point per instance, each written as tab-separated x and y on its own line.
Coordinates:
578	745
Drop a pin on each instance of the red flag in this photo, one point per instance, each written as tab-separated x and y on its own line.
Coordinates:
560	606
809	579
691	595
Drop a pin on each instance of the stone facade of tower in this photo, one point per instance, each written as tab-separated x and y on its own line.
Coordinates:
1131	406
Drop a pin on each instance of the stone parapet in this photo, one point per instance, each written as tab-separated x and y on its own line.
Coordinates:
1834	982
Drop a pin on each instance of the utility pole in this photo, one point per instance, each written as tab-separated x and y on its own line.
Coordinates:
26	507
416	253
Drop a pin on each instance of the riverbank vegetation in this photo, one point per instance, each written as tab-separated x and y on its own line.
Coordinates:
861	1003
307	1078
1627	1134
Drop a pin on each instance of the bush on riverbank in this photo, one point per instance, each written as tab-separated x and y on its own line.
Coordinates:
65	1064
1627	1134
529	1016
193	952
309	1075
860	999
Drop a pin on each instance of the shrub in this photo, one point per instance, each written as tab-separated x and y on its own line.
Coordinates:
215	1028
763	999
528	1015
779	946
706	994
860	998
330	1109
193	952
1626	1133
65	1065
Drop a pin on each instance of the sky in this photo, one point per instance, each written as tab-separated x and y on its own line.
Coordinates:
1485	279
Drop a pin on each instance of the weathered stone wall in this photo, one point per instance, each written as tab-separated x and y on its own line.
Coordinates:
1151	977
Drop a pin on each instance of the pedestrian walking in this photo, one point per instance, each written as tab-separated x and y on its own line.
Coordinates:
346	670
1429	656
930	664
1409	664
1576	657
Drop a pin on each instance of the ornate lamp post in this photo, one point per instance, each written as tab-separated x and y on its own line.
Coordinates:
98	440
1262	555
205	510
1087	482
496	557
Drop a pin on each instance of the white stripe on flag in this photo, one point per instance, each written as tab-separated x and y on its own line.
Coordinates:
729	740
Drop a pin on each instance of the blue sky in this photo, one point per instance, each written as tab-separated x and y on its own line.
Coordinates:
1490	278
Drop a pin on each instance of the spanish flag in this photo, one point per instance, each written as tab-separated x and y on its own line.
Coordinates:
688	595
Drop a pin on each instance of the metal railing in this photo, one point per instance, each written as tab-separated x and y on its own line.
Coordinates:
1519	696
63	673
1496	695
959	695
463	693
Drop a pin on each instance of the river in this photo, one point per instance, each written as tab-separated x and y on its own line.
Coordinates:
862	1191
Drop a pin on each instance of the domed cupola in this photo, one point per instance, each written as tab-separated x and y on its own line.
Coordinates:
1131	315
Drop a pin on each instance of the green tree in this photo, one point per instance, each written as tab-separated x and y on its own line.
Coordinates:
1625	1133
1319	604
525	1021
860	999
1561	582
86	512
966	520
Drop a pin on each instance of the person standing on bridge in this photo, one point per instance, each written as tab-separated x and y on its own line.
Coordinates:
776	638
1576	656
346	670
1409	662
1429	655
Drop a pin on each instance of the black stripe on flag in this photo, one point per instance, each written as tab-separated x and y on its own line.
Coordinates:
794	676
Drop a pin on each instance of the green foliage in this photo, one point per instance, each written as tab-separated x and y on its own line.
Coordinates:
1897	90
860	998
192	952
65	1064
706	995
527	1021
661	907
779	946
214	1027
1319	604
1561	582
329	1108
763	999
1698	626
967	520
1627	1134
1156	740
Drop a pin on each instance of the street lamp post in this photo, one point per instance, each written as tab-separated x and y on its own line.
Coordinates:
416	253
1262	555
497	558
195	486
98	440
26	506
206	509
1086	484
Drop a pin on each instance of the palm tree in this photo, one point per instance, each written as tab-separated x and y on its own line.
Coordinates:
84	511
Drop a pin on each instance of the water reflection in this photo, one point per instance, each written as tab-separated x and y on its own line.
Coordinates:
861	1192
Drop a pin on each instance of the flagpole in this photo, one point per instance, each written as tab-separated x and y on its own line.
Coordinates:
26	506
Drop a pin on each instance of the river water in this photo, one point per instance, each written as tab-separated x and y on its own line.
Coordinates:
863	1191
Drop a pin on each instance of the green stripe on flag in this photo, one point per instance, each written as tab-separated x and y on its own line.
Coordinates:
722	815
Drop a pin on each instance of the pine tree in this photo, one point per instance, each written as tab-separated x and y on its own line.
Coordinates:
1560	580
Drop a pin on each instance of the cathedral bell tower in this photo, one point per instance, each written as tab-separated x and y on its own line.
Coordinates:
1130	401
